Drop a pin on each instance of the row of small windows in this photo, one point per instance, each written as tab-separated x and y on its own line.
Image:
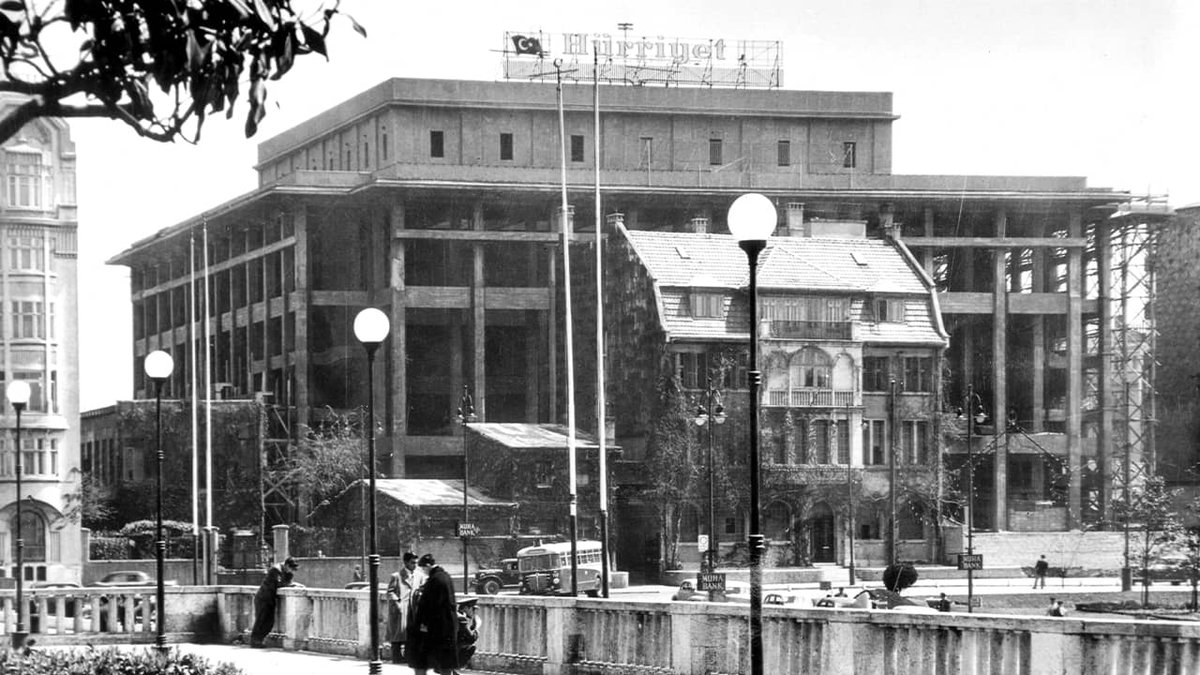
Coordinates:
437	149
815	441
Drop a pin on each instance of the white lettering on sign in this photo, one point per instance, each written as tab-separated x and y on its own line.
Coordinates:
580	44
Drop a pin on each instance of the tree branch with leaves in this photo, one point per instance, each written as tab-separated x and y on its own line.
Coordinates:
158	66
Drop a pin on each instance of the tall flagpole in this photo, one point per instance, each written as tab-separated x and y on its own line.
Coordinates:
195	407
601	400
208	520
564	218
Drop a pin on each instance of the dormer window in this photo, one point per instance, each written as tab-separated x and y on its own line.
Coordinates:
888	311
707	304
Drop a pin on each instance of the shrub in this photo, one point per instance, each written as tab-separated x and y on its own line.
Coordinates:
110	661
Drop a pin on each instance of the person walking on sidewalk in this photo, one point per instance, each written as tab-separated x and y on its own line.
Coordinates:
1039	571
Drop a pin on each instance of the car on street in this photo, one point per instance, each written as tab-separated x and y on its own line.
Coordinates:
362	585
126	578
1171	568
53	589
490	581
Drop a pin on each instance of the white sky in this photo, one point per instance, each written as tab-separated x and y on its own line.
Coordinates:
1105	89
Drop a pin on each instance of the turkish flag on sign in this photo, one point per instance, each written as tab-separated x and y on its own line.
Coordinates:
527	45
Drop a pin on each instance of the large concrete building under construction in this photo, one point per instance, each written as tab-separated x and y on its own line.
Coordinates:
438	201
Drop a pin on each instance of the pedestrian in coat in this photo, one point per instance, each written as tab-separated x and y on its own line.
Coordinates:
278	576
1039	572
399	594
433	631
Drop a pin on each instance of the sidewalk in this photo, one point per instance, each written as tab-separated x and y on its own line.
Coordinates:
276	661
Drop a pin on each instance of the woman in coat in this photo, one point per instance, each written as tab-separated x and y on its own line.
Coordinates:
433	630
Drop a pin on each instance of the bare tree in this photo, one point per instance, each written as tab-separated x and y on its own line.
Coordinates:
159	66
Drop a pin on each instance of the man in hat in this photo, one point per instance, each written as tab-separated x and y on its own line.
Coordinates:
278	576
468	630
433	634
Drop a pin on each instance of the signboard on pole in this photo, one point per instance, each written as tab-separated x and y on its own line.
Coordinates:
970	561
711	581
466	530
702	543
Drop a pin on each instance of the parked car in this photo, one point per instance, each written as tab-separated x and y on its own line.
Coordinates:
54	589
1172	568
360	585
126	578
489	581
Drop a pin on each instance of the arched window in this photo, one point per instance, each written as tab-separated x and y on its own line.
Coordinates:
776	519
33	531
810	369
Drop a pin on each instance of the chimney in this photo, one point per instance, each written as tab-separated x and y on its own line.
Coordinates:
698	225
615	219
890	228
795	220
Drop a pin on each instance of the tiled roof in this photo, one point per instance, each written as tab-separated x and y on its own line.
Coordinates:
857	267
432	492
530	436
826	264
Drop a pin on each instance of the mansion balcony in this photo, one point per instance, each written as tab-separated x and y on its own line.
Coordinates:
809	398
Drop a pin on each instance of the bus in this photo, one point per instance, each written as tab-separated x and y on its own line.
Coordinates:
546	568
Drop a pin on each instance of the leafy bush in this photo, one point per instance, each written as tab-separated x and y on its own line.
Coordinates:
110	661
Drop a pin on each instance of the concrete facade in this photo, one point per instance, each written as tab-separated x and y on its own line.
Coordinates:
438	202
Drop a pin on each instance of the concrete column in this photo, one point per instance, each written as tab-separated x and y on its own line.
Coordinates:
211	550
551	333
1038	327
398	344
1074	368
478	322
1000	373
1056	653
681	644
838	651
279	537
1104	444
300	349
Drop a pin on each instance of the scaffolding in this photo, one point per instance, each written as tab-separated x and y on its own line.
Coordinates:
1119	383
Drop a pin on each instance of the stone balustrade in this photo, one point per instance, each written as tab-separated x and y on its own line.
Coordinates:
547	636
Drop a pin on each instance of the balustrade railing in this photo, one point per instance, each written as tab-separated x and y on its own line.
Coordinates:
524	634
809	398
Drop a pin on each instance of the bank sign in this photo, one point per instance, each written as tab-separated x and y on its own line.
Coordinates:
622	59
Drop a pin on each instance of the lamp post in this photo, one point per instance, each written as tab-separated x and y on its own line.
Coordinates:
971	403
18	396
371	327
159	365
710	408
466	414
752	218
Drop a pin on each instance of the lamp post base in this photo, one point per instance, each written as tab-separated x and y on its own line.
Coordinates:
374	667
18	639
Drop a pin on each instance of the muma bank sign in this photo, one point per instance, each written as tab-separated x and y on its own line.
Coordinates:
721	62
